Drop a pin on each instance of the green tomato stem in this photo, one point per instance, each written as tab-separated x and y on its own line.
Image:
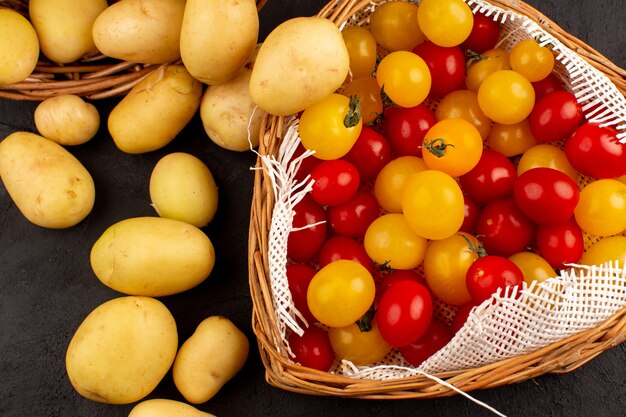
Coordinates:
437	147
354	113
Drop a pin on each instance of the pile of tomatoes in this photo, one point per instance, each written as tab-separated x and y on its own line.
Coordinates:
449	169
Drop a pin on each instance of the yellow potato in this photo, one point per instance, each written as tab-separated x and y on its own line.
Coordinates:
182	188
155	110
67	119
141	31
209	358
294	69
64	27
166	408
152	256
19	47
218	37
122	350
47	183
227	113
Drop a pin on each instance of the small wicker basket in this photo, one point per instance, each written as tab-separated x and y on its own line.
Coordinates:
559	357
94	77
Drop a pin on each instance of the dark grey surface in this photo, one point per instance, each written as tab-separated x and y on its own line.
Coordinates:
47	286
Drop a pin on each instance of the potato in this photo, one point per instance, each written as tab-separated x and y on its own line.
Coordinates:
152	256
19	47
122	350
182	188
141	31
155	110
227	110
294	69
64	27
218	37
214	353
47	183
166	408
67	120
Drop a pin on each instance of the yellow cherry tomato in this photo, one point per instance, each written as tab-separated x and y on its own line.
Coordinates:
606	250
390	241
482	65
367	91
392	180
394	26
533	266
361	47
463	104
601	210
360	346
545	155
531	60
445	22
340	293
404	77
330	127
511	140
433	204
506	97
453	146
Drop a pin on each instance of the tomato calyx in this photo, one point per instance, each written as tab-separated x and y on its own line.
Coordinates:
354	112
473	57
365	323
437	147
479	250
387	102
385	267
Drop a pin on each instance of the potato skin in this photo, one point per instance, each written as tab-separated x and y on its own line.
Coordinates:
19	47
294	70
122	350
152	256
155	110
141	31
214	353
166	408
49	186
67	120
218	37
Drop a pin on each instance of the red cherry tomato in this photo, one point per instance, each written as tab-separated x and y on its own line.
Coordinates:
484	35
489	273
461	317
404	313
369	154
491	179
436	337
405	128
304	244
503	229
342	247
312	349
546	195
307	164
298	277
548	85
353	217
555	116
400	275
560	244
596	152
336	181
446	65
471	213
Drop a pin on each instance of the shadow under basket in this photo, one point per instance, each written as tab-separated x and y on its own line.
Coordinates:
266	265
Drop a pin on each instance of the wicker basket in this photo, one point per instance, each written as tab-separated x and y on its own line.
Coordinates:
559	357
95	77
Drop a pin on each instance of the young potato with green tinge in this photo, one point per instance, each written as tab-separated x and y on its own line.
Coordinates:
155	110
122	350
67	120
64	27
214	353
182	188
141	31
166	408
19	47
152	256
47	183
294	69
218	37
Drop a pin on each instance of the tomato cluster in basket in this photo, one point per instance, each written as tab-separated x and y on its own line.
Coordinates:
449	169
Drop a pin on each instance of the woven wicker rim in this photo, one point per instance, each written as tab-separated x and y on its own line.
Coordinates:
560	357
95	77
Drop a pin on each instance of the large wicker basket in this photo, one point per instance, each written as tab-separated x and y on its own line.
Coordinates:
94	77
559	357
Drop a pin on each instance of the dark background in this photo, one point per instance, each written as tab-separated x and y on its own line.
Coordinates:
47	286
